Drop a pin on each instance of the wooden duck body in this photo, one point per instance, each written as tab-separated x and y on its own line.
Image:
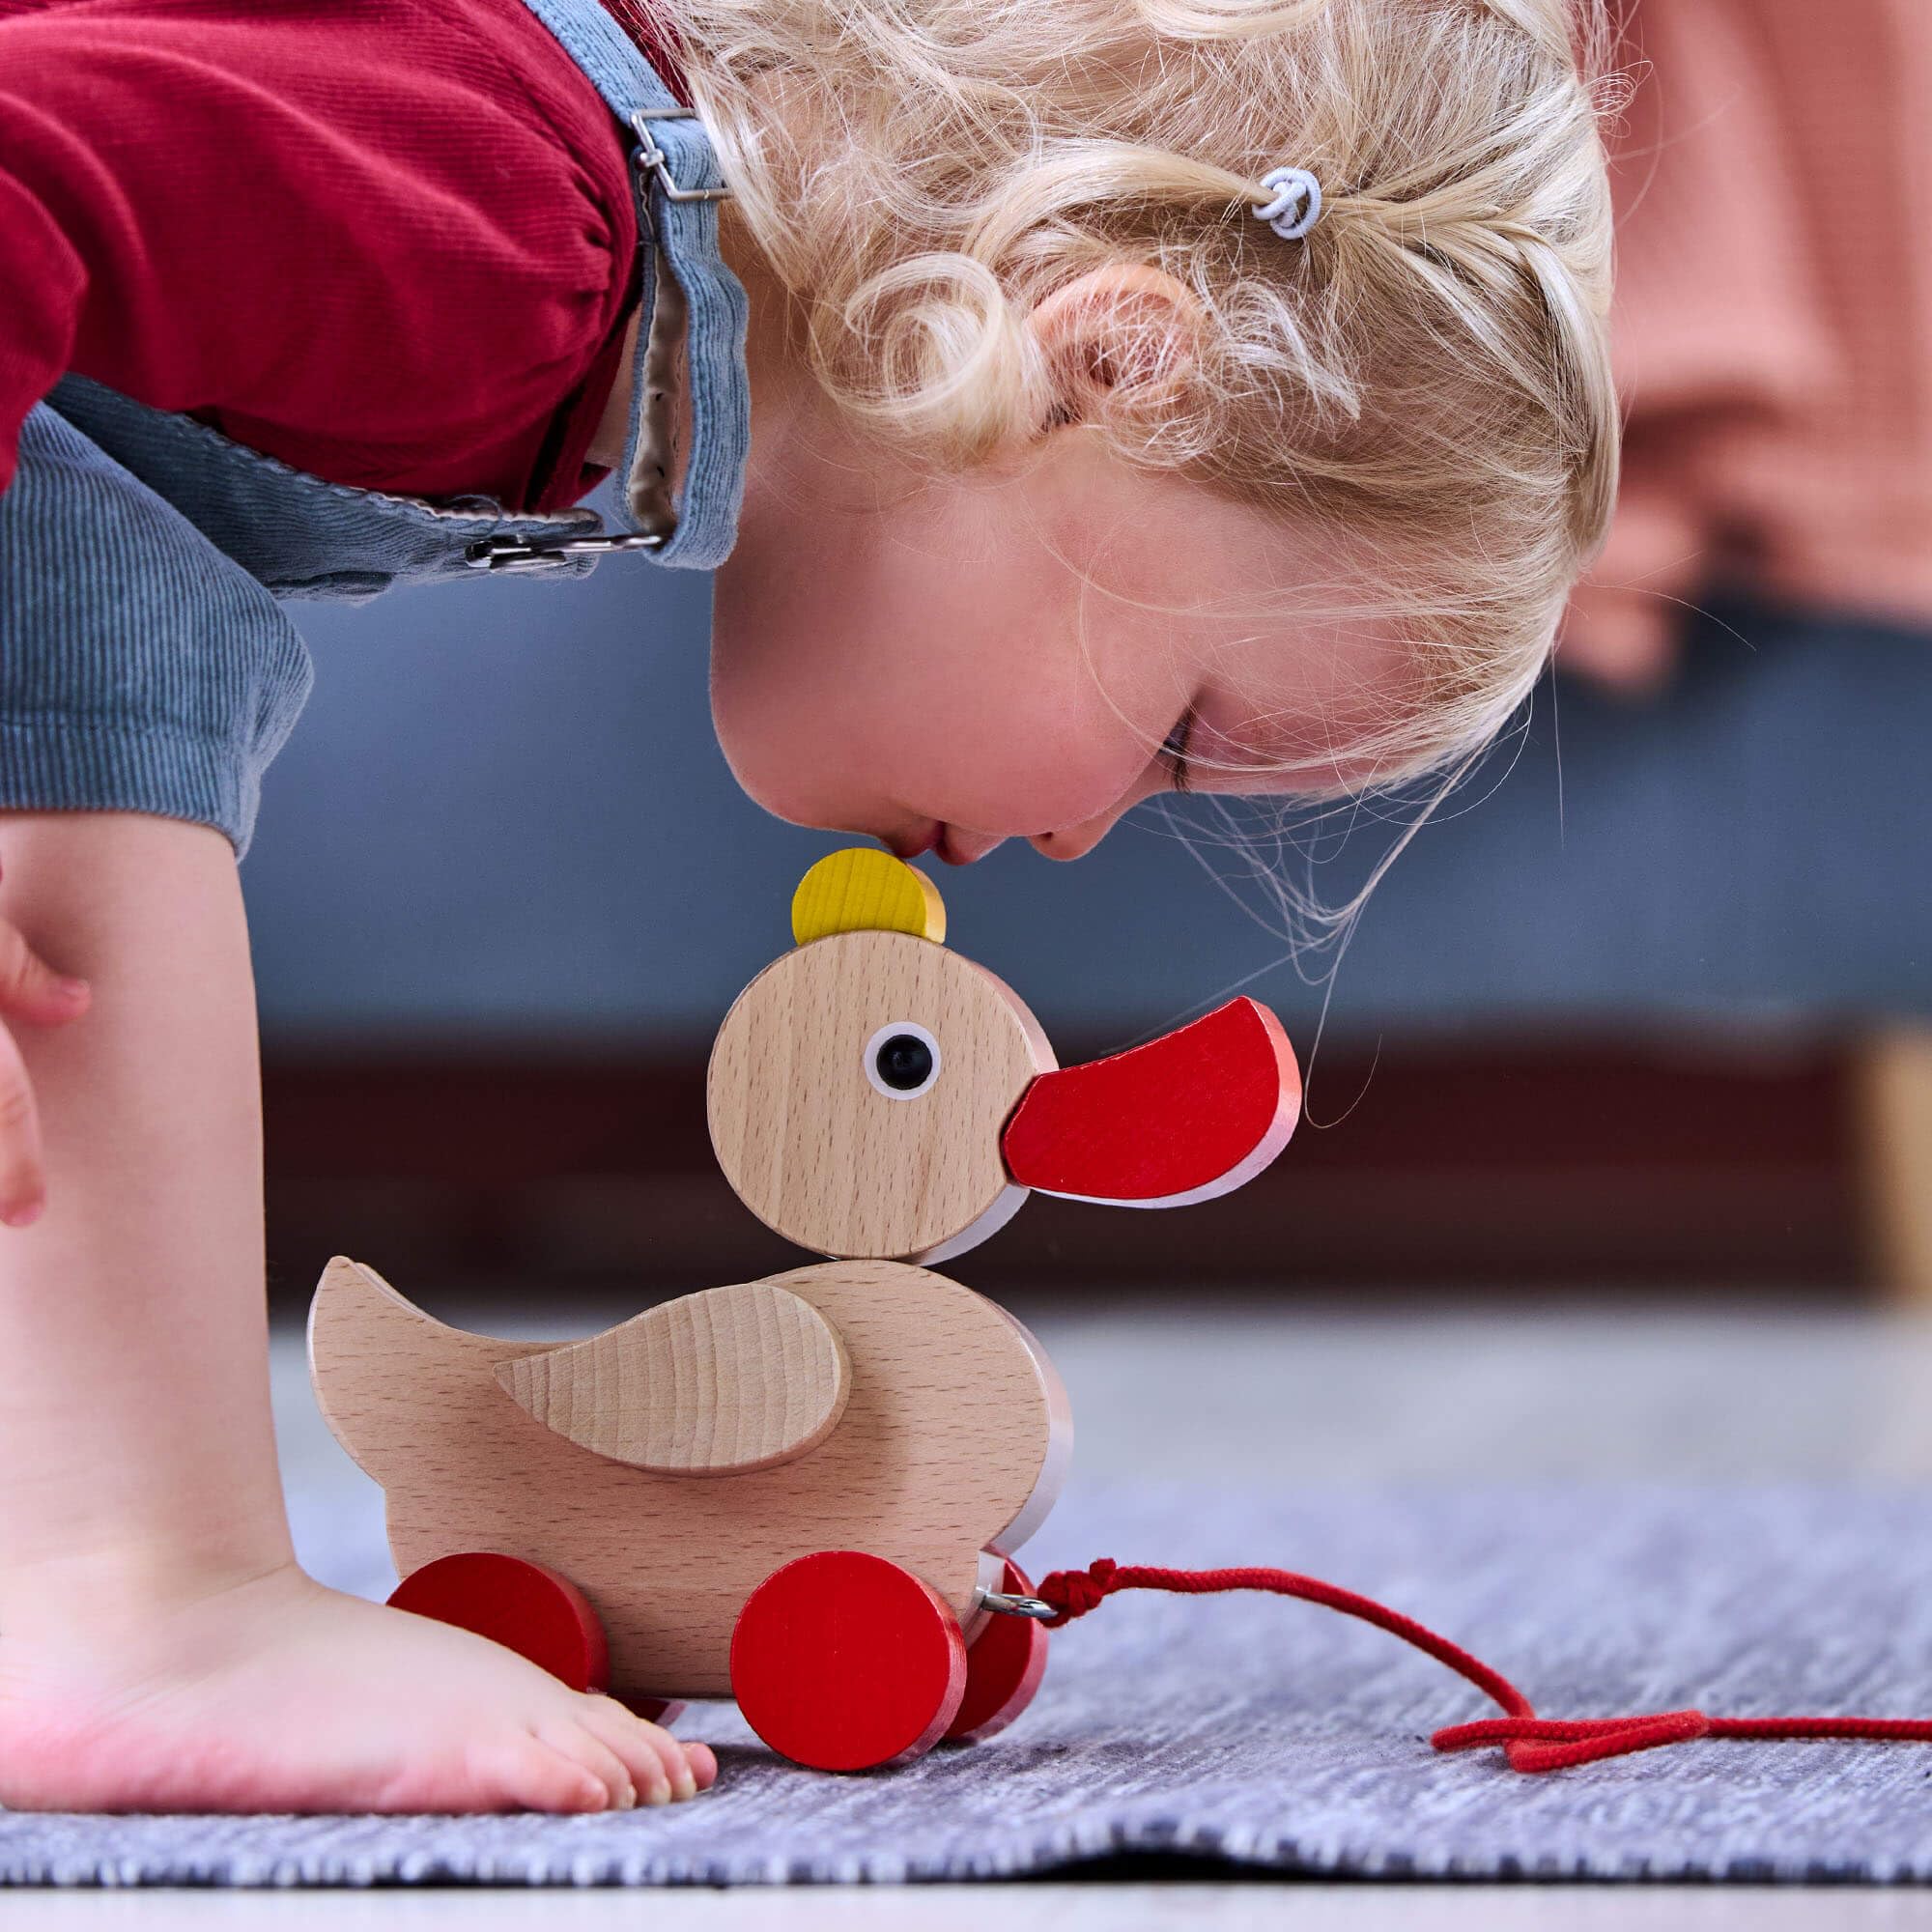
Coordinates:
804	1491
952	1440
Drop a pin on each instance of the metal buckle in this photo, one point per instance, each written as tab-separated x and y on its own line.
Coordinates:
651	155
526	554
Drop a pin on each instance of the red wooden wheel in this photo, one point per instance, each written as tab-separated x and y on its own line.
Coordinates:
843	1660
522	1606
1004	1665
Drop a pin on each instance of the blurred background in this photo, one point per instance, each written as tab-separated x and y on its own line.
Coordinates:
1644	1011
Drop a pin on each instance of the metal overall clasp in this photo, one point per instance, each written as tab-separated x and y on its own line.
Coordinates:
652	157
525	553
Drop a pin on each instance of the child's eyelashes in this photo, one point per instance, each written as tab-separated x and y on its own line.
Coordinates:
1174	749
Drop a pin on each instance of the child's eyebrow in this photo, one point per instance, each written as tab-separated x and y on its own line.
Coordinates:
1252	758
1247	746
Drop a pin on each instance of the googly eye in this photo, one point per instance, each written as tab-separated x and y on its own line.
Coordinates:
902	1060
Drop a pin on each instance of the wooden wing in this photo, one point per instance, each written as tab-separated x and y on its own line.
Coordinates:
712	1384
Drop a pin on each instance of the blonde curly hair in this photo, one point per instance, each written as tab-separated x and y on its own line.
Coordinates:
1426	374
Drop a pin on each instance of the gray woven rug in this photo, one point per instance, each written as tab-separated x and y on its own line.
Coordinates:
1272	1734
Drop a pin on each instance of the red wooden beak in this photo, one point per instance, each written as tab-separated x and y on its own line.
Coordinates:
1185	1118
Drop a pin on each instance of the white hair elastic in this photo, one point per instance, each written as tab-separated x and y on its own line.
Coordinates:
1297	206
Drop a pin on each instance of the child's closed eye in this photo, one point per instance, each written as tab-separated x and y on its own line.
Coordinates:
1174	749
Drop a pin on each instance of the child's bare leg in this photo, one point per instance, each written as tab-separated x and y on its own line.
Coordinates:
158	1648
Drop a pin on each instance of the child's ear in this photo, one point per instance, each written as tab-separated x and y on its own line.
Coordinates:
1120	335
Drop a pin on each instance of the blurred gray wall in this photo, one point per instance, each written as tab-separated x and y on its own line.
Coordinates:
504	818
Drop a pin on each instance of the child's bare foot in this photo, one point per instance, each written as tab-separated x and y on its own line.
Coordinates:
277	1694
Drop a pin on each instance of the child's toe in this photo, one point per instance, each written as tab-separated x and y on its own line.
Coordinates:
584	1746
536	1777
654	1758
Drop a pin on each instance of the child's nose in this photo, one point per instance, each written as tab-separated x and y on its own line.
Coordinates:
1076	841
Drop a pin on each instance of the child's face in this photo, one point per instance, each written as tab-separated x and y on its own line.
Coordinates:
923	664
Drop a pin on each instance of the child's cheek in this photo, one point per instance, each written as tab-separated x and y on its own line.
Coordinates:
1025	776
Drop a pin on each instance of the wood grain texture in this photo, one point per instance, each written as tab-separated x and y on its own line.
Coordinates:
714	1383
954	1436
825	1158
864	889
1893	1099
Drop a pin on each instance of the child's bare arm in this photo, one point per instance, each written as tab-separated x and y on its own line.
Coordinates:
31	994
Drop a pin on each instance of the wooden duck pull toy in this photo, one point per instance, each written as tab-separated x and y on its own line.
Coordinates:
804	1491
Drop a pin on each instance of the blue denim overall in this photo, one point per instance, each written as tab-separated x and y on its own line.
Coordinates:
145	661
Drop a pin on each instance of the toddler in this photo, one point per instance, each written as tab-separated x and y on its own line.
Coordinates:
1078	400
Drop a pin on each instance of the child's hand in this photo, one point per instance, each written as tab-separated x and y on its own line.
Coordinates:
31	994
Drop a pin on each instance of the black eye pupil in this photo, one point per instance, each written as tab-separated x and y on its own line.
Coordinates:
904	1061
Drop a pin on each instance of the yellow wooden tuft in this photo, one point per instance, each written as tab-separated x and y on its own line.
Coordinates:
863	890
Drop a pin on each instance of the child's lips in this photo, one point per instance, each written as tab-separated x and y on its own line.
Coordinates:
953	846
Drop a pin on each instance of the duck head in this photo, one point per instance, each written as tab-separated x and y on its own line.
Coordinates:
873	1094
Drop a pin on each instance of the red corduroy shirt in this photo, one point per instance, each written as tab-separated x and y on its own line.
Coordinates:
390	242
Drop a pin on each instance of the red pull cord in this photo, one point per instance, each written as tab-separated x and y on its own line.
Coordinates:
1532	1743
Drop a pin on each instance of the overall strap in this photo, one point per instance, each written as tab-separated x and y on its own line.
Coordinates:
677	186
